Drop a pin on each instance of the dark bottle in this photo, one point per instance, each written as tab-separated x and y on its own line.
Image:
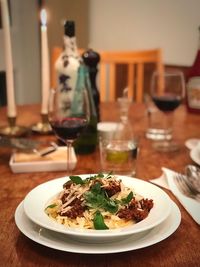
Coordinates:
91	59
88	140
67	66
193	84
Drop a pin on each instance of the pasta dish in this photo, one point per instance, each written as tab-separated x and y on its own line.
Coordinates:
98	202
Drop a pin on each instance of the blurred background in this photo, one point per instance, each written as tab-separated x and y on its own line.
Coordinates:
102	25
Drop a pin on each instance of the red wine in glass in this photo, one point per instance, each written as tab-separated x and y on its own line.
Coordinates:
167	103
68	128
167	92
69	112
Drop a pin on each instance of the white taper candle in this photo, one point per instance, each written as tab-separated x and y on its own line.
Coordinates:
45	63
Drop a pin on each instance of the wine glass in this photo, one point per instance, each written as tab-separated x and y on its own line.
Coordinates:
69	114
167	92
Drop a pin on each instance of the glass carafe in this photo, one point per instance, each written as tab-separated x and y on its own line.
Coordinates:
120	152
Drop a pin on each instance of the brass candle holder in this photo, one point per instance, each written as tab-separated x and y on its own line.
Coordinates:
42	127
12	129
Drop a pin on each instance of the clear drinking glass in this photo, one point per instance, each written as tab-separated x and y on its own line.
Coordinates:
157	128
69	113
167	92
119	152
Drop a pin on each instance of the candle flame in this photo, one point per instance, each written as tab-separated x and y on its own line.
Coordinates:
43	16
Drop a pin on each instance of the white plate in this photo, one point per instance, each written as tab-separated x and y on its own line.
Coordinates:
192	143
37	199
62	242
195	154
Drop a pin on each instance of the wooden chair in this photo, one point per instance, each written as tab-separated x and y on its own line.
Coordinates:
54	56
135	61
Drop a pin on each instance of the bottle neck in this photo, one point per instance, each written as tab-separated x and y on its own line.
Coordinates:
70	46
89	89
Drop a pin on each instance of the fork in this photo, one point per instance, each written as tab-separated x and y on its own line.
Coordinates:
183	187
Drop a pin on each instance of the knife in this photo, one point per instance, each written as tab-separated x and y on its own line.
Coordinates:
27	145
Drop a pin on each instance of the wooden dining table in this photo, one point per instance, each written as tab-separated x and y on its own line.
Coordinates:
180	249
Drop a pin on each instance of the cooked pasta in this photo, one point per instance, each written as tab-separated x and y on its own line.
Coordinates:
98	202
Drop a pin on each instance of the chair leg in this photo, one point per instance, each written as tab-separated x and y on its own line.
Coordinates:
112	85
140	82
131	92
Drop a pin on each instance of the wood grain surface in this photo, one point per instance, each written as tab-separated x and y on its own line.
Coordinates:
182	248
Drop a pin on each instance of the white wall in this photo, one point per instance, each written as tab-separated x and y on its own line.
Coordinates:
142	24
25	50
114	25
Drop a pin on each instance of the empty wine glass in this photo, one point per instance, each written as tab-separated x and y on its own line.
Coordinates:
167	92
69	112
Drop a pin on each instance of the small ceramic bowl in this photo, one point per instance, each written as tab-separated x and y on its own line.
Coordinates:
106	129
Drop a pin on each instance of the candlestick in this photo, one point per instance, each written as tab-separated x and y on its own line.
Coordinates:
11	129
44	127
11	107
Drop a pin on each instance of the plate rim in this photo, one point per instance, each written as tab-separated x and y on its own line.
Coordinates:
97	234
193	155
86	248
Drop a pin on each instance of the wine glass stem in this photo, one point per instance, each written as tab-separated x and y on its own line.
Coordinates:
69	146
168	123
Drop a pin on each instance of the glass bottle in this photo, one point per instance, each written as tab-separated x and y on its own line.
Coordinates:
121	150
91	59
124	130
67	65
88	140
77	101
193	84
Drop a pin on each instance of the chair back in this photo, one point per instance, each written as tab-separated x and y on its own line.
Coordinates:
54	56
135	60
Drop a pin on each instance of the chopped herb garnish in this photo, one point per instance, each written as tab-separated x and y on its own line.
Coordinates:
109	175
96	188
127	199
76	179
100	175
98	221
51	206
97	197
111	206
94	200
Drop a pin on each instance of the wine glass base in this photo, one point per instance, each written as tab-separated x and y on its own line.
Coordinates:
166	146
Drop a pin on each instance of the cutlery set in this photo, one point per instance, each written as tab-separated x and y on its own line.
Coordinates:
28	145
189	184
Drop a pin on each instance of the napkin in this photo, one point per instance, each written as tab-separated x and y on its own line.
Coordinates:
191	205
